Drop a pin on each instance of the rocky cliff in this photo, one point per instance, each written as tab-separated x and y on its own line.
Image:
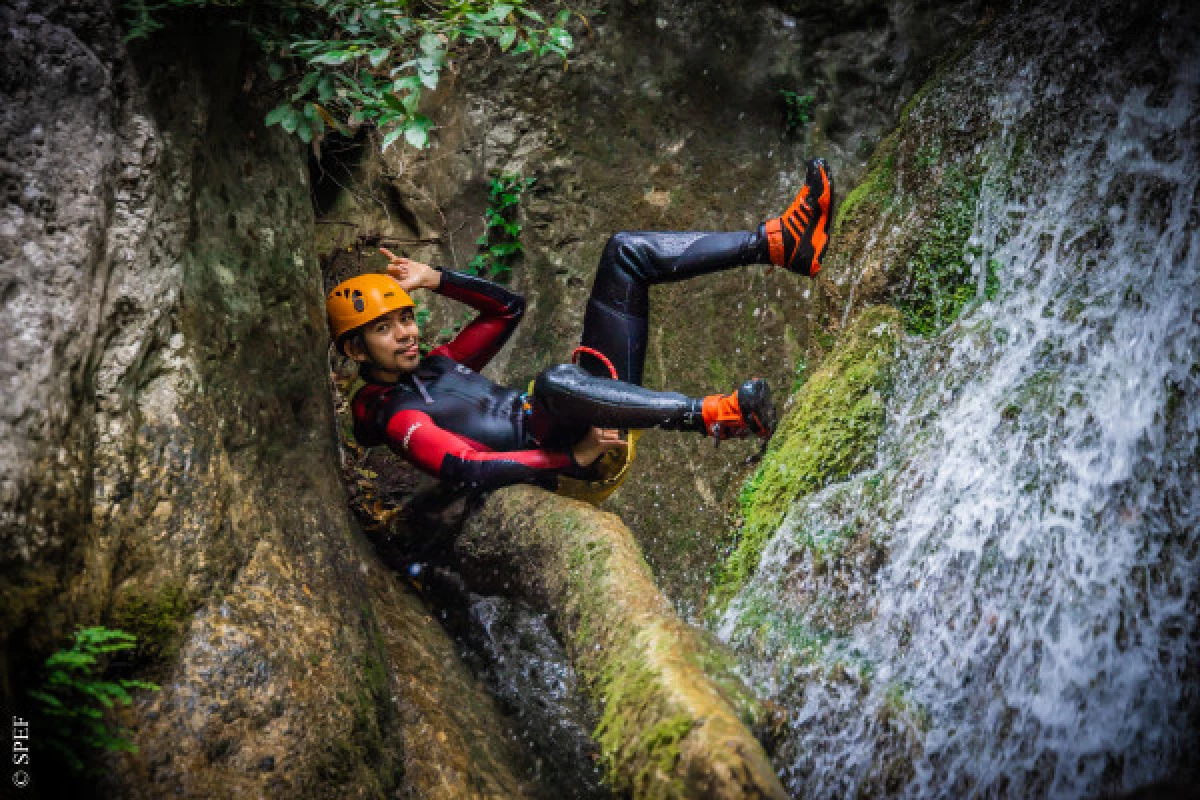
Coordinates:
169	462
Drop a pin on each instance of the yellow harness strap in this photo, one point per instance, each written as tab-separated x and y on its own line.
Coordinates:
613	466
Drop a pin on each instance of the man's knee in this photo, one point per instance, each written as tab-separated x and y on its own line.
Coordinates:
558	380
624	249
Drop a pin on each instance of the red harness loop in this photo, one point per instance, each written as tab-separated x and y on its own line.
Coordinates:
596	354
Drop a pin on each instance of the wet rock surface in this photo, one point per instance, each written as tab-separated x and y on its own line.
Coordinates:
673	719
972	613
169	453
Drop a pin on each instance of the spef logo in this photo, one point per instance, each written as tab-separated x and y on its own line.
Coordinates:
357	299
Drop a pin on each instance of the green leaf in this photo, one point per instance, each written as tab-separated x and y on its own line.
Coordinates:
306	85
529	12
500	11
69	658
324	88
378	56
427	69
334	58
431	43
508	35
561	18
392	101
504	249
304	131
409	83
391	137
417	137
561	39
290	120
275	71
277	114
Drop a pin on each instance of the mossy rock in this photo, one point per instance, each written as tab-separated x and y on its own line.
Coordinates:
158	618
672	717
831	432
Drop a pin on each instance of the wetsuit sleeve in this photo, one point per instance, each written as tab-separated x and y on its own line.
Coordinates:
449	457
500	310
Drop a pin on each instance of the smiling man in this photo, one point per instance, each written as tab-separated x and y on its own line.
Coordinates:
442	415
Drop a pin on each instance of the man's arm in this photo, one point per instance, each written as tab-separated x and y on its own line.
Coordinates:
500	310
449	457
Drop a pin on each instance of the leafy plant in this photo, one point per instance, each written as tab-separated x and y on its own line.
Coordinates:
798	109
75	696
500	247
343	64
500	244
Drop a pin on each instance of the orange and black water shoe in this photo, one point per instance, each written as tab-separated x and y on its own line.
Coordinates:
744	412
797	239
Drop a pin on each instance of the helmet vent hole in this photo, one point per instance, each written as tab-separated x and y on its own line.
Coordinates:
357	299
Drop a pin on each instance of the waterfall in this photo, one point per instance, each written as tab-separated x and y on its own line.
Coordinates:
1024	619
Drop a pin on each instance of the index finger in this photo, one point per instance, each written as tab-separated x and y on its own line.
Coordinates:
389	254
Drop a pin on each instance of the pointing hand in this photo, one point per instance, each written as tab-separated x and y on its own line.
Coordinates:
411	274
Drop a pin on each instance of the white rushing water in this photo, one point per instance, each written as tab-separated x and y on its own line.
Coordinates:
1033	628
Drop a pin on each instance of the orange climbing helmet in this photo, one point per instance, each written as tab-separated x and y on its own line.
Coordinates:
357	301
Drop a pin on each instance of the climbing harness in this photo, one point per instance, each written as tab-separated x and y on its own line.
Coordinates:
612	467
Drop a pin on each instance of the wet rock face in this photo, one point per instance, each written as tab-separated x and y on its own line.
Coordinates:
59	141
669	117
972	613
168	460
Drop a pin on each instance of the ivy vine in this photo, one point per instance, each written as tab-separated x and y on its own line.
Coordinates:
500	245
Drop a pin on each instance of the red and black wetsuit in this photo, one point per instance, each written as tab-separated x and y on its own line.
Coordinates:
447	418
460	426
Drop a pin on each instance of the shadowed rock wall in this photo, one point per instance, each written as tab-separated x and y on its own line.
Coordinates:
167	460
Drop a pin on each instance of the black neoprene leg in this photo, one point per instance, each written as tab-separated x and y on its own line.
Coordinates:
615	322
567	401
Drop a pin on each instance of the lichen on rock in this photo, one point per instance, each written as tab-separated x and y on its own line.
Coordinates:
830	432
666	730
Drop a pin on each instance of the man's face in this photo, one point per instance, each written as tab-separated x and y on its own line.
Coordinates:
392	341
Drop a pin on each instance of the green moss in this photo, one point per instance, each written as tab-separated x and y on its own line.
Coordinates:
899	705
714	658
801	375
928	155
660	745
158	620
830	433
639	733
875	193
780	633
939	281
358	750
637	752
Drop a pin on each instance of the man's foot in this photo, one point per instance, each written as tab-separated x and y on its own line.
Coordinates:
797	239
743	412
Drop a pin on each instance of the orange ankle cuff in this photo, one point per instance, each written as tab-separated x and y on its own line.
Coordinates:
774	229
719	408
